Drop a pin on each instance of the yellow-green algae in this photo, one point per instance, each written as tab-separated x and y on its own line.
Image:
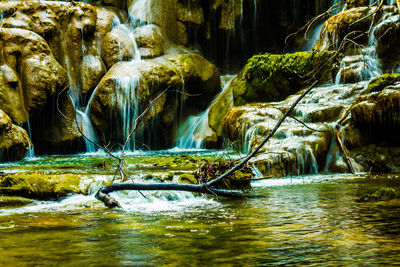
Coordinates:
12	201
39	185
379	83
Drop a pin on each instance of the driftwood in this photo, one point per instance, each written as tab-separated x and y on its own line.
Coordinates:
103	193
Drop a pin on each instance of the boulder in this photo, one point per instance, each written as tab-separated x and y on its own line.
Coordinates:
38	185
93	69
150	40
387	35
73	32
127	88
29	74
14	141
268	77
378	115
118	45
55	133
7	201
350	23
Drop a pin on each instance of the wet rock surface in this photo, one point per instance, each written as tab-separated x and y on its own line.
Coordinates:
14	140
138	82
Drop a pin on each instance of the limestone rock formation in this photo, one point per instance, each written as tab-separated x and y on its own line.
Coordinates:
118	45
38	185
267	78
52	133
150	40
137	82
73	31
14	141
352	24
29	75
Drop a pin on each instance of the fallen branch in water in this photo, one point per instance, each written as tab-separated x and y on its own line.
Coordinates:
110	202
103	193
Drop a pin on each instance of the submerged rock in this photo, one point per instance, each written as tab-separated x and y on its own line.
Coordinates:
14	141
7	201
38	185
383	194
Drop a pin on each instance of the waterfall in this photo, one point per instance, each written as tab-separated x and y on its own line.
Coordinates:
192	132
88	130
31	150
366	65
125	99
195	129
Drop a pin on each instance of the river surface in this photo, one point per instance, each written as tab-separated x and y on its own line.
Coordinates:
304	220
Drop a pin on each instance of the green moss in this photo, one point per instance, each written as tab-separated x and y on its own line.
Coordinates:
379	83
187	178
38	185
7	201
271	77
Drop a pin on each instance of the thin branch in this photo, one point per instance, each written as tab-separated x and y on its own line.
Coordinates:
305	125
271	133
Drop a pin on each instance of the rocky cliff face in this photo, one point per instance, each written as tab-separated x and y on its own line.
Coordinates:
50	48
360	109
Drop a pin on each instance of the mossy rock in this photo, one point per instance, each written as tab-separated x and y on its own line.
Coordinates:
383	194
187	178
269	77
38	185
379	83
7	201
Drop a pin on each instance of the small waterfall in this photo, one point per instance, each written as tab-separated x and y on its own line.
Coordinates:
192	132
313	38
31	151
88	130
139	13
195	129
366	65
127	107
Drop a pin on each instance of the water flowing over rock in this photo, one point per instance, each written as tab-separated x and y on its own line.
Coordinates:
151	41
118	45
128	87
273	77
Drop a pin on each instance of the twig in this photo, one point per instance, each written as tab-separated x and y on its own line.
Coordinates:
305	125
343	148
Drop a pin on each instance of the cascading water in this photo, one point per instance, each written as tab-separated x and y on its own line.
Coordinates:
195	129
126	100
366	64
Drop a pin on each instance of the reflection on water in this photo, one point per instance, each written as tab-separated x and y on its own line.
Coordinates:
302	220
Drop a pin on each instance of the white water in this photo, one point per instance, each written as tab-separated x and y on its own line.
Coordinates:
195	129
126	100
192	132
366	65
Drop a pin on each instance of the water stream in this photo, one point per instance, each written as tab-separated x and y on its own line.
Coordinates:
301	220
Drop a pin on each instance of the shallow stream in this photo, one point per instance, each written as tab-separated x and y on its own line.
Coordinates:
300	221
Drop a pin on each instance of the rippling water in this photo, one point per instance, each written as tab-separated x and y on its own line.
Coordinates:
300	221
